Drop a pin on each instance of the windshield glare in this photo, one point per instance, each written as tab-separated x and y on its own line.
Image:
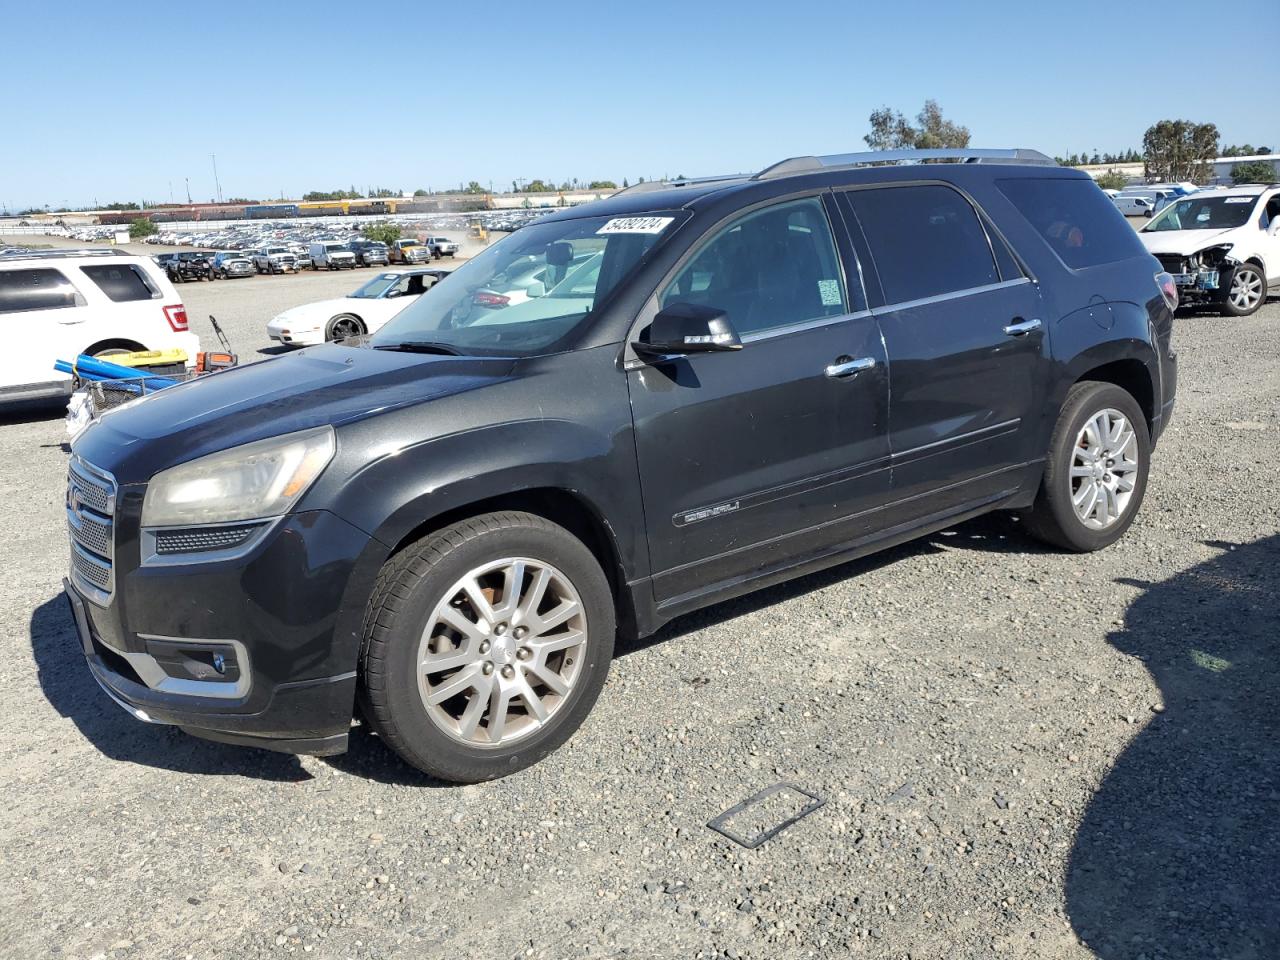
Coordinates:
1204	213
528	292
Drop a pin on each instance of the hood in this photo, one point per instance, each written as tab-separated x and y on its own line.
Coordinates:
1182	242
330	384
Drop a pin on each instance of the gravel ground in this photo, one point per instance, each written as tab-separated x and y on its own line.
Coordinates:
1022	752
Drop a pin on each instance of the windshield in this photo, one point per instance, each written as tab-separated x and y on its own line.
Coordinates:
377	286
1204	213
527	293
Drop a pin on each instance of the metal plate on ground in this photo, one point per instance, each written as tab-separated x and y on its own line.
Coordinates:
766	814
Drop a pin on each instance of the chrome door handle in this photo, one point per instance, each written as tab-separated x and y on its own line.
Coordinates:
847	368
1023	328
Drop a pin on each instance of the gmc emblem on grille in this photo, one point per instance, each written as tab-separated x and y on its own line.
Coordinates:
73	500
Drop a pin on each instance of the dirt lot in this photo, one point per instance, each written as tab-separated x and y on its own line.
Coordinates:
1023	753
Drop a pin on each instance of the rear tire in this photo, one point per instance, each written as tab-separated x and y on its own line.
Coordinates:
1093	483
508	691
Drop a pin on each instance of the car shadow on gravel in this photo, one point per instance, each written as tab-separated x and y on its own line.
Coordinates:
71	689
1178	853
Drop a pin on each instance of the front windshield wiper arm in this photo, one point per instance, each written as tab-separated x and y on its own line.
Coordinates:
420	346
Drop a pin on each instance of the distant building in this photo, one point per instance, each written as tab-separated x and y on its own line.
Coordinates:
1222	166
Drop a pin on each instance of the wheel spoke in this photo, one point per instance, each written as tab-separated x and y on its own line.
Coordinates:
470	719
512	581
550	678
537	591
498	700
1082	471
537	709
561	641
479	602
553	618
453	617
454	685
448	660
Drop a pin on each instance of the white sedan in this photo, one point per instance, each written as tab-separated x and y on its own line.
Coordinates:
364	311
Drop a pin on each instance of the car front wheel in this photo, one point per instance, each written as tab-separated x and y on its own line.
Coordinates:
1247	292
1096	472
486	645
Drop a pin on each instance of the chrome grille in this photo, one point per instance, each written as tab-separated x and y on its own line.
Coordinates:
91	505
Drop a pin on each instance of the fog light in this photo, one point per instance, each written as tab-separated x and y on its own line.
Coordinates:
220	663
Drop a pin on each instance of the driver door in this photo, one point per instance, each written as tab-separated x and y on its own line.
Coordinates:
761	457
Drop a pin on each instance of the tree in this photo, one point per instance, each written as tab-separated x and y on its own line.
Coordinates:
1112	180
602	185
121	206
387	233
1255	171
141	227
1179	150
625	184
537	186
890	130
475	187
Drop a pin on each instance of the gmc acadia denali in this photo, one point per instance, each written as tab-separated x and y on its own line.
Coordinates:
716	385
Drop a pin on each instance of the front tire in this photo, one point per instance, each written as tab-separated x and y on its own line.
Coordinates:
1247	291
342	326
486	645
1096	473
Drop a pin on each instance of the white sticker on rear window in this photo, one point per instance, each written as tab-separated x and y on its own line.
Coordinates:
829	290
635	225
1238	200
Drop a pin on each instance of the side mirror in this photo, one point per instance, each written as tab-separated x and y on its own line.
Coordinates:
536	289
688	328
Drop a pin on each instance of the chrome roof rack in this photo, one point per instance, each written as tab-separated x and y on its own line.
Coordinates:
650	185
840	161
29	254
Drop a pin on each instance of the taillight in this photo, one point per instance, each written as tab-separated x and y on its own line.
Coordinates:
1167	287
176	314
490	299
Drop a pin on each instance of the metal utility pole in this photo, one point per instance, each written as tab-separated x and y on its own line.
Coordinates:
216	184
171	193
187	180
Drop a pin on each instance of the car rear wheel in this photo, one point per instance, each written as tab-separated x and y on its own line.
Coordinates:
342	326
1096	472
1247	292
486	646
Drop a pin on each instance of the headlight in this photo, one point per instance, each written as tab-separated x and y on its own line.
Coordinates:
249	482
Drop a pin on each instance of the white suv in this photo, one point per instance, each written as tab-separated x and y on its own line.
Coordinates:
1222	246
59	304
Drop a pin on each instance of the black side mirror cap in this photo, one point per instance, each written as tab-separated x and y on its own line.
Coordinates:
688	328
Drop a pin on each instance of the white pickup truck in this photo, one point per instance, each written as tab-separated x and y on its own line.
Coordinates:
274	260
441	247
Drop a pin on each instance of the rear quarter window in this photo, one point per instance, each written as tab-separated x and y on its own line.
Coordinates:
36	289
121	282
1076	219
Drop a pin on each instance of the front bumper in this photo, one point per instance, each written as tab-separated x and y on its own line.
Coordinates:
293	336
288	616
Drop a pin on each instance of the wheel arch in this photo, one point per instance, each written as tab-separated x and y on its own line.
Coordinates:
1131	375
114	343
564	507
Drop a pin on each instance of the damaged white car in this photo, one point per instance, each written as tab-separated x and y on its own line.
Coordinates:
1222	247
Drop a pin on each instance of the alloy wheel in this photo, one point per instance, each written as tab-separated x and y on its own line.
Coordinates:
1104	469
1246	288
345	327
501	652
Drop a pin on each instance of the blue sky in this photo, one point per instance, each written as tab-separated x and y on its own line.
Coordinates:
319	95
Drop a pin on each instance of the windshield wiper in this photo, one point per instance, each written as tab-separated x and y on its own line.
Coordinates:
420	346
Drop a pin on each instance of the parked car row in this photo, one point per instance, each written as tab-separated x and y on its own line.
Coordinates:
330	254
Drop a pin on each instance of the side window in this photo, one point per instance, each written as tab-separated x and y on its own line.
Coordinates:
122	283
770	268
1076	219
36	289
926	241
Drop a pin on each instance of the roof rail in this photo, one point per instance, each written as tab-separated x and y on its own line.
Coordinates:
650	185
28	254
840	161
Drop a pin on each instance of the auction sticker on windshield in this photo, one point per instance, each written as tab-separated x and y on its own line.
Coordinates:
635	225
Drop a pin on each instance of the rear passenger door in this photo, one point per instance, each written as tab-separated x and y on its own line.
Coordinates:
966	342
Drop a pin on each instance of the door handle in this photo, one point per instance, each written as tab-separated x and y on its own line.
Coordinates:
847	367
1022	327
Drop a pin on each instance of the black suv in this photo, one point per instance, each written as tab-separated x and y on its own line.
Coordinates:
698	389
191	265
